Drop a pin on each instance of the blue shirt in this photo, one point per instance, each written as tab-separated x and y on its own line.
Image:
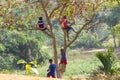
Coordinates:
52	69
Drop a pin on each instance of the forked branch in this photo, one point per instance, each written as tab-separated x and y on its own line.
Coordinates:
77	34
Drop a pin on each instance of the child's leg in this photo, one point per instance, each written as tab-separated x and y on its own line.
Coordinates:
61	74
53	76
48	74
36	26
63	67
66	33
70	28
73	30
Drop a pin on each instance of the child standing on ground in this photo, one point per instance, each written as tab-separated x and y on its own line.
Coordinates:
52	69
63	62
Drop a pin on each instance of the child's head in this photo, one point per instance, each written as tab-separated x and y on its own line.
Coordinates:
64	17
62	50
40	18
50	61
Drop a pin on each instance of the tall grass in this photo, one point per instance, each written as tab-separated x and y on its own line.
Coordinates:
82	68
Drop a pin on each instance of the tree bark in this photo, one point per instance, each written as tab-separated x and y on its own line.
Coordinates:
114	40
55	56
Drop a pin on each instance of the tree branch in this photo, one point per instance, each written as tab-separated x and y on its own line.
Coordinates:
42	31
47	17
62	9
45	5
53	11
94	24
77	34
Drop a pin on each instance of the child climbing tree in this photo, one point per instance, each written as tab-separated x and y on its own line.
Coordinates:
82	10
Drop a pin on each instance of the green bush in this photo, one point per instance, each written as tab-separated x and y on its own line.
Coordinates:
2	48
19	45
7	61
107	59
3	64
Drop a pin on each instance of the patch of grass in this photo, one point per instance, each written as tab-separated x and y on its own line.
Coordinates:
82	67
43	70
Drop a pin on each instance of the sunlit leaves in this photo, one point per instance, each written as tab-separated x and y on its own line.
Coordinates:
27	11
110	4
15	13
116	29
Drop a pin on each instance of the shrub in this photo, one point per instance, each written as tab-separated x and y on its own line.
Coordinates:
7	61
2	48
107	59
3	64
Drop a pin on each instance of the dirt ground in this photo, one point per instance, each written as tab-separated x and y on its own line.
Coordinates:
21	77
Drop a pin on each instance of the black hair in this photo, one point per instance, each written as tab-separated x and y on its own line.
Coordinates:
61	49
64	17
50	60
40	18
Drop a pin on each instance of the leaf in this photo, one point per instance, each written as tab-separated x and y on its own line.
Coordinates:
33	62
35	70
12	27
19	29
21	61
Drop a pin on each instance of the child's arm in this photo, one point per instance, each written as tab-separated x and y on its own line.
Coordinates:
68	21
62	25
48	70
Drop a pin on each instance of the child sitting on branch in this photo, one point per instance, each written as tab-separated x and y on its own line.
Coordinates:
41	25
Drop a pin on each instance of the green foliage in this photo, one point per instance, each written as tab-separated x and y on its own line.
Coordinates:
7	61
115	70
85	67
21	45
116	29
107	59
113	17
87	40
111	4
21	61
2	63
2	48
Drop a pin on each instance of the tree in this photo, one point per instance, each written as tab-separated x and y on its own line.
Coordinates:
112	18
83	10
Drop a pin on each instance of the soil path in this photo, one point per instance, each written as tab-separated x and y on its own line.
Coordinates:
21	77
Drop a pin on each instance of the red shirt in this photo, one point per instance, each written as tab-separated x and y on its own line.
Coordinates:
64	22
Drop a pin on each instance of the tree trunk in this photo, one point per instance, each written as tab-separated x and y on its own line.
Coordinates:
114	40
55	56
53	40
119	43
65	42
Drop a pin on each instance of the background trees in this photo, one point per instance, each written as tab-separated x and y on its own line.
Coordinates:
15	46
